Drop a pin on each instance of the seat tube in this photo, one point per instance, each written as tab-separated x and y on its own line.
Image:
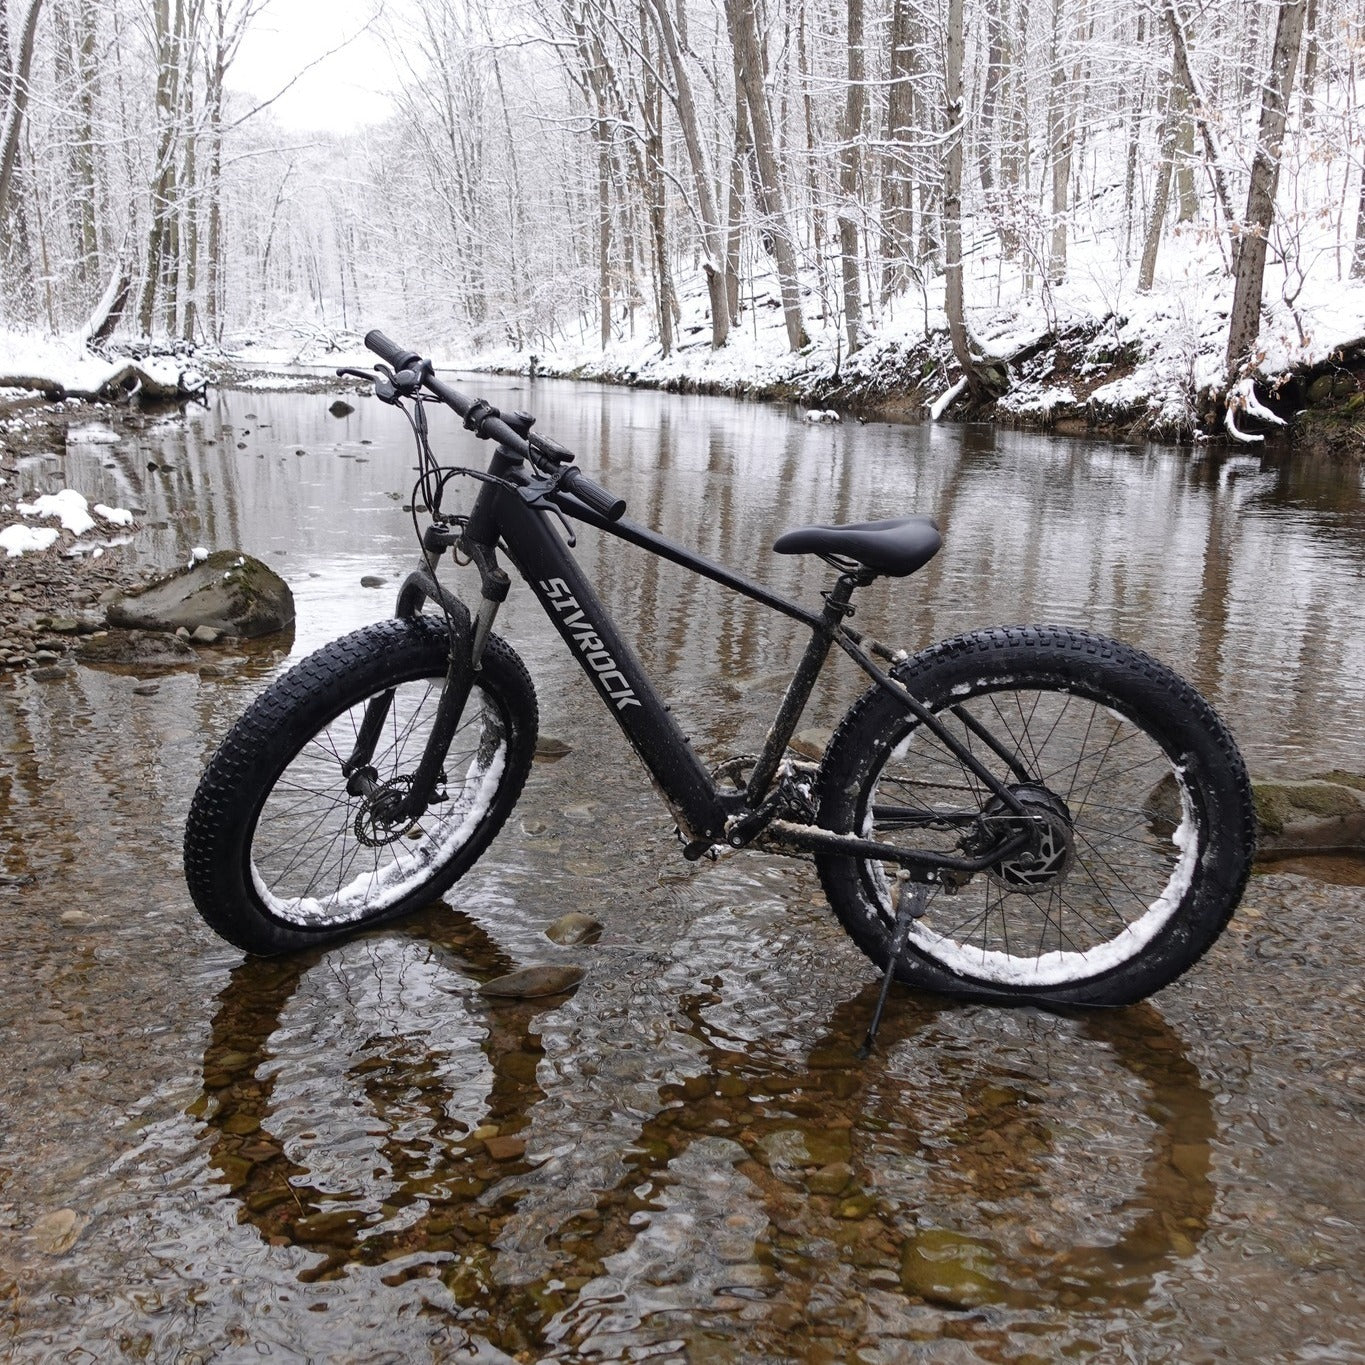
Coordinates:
799	690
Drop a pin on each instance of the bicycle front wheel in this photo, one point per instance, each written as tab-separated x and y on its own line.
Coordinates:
284	851
1137	822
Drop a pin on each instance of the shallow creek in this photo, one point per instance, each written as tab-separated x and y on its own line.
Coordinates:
203	1157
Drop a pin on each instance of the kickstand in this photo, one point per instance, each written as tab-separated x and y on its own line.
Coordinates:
911	902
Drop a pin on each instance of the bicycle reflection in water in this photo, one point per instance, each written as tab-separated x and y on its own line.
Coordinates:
770	1195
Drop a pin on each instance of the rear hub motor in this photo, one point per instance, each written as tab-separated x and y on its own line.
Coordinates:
1051	850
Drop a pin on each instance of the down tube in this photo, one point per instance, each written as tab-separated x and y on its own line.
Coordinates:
619	677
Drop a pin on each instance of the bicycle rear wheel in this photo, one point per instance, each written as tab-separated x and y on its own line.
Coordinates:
281	851
1137	810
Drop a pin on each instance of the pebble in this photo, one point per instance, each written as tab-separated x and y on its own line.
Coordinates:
340	408
50	673
574	928
148	689
46	656
204	635
550	750
372	580
57	1232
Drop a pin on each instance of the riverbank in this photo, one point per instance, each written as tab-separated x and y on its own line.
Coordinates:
1089	378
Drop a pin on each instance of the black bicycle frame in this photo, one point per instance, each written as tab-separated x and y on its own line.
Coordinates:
511	509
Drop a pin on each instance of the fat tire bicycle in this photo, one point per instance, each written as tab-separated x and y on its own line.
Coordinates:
1024	814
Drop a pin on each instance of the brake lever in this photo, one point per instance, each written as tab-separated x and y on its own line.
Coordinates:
534	495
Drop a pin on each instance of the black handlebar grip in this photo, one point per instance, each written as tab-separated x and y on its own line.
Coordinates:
593	495
391	351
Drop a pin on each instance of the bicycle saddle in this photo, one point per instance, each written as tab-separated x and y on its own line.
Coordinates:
896	547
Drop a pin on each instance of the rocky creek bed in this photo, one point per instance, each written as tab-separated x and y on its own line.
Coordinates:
680	1157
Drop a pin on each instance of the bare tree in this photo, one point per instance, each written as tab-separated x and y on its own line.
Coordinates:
1245	322
851	131
772	201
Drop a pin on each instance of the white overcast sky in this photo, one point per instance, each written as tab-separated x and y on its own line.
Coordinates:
349	88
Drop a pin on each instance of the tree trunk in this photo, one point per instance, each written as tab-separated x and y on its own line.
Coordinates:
18	103
83	154
1310	63
167	21
734	217
216	71
603	136
744	36
851	136
653	108
896	208
1199	108
1161	193
1245	323
685	106
955	301
1358	255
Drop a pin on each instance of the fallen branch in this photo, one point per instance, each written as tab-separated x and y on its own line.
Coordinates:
130	380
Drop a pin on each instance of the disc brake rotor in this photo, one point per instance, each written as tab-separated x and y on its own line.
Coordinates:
375	824
1051	849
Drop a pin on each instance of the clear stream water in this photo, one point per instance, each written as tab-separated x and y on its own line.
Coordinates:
203	1157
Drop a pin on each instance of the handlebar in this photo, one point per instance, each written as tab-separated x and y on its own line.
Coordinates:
486	422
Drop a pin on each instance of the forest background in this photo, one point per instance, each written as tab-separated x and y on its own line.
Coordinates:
713	191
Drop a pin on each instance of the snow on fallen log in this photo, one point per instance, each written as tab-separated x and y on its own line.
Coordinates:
61	369
1242	398
941	404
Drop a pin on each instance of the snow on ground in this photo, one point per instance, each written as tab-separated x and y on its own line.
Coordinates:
68	507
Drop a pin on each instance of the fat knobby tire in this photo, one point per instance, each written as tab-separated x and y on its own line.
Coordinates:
282	720
1049	659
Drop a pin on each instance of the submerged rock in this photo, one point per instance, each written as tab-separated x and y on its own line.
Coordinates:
57	1232
811	743
230	593
529	983
136	648
1320	814
573	928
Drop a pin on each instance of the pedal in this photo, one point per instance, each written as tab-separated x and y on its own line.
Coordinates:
912	900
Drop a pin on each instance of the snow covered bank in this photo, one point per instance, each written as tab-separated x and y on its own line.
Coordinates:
1086	355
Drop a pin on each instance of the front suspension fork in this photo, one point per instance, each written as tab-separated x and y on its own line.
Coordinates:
467	644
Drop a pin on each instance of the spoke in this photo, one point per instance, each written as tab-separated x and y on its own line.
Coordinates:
1099	886
1115	873
1085	739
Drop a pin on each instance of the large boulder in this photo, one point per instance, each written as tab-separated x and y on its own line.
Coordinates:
231	593
1319	815
1324	813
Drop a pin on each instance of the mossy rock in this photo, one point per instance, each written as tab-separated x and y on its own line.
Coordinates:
1324	814
234	594
1314	816
1320	390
